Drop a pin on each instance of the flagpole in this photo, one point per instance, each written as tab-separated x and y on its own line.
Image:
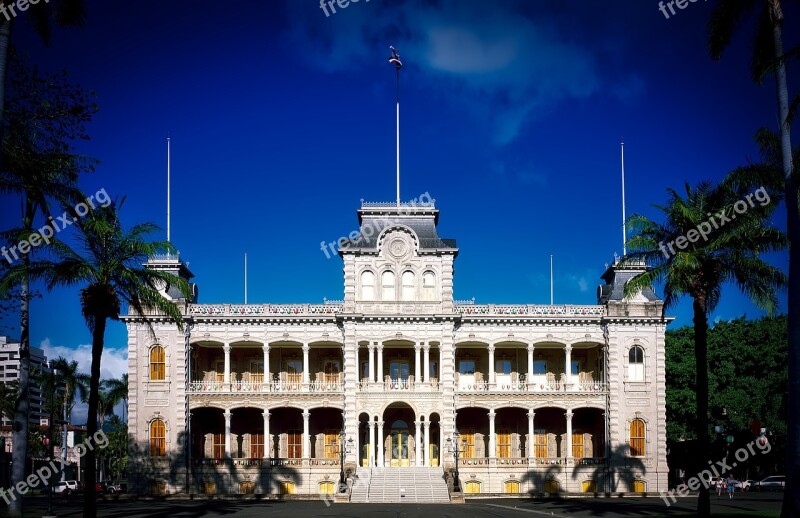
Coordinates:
168	189
395	60
551	279
245	277
624	228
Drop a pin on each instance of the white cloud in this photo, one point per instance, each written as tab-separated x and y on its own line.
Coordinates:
113	364
521	67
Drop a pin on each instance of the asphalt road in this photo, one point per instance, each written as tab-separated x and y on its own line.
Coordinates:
483	508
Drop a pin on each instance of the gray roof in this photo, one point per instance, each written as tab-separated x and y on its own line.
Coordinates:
374	223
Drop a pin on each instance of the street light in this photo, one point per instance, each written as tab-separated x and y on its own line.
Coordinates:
454	448
344	447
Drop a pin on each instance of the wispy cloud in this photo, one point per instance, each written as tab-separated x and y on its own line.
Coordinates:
113	364
500	62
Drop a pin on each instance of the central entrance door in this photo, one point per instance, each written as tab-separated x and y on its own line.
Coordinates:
400	450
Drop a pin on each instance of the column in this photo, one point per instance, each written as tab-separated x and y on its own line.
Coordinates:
306	439
427	364
379	443
226	381
491	367
418	453
379	378
372	451
417	362
227	434
266	367
371	363
569	434
267	442
427	443
306	348
529	378
568	359
492	438
531	439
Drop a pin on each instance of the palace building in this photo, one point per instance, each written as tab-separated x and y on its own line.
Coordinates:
398	378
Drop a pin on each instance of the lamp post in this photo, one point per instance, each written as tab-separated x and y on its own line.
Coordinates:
344	447
454	448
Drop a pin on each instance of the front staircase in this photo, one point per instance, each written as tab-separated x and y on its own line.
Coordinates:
397	485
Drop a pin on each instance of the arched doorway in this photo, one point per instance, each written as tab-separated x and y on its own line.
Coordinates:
399	444
398	436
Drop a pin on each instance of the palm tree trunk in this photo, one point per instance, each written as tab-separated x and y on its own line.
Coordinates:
791	498
22	410
98	336
701	369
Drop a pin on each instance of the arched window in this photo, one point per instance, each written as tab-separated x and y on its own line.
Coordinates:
408	285
158	365
158	438
636	364
428	286
367	285
637	438
387	283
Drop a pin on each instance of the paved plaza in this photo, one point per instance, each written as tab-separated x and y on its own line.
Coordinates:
580	507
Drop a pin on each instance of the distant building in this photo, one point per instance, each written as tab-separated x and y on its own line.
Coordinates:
9	372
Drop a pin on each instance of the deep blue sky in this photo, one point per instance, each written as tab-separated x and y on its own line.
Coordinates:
282	119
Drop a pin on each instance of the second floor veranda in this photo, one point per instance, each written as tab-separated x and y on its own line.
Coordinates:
253	367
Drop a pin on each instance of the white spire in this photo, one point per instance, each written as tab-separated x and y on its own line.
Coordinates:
624	229
168	189
395	60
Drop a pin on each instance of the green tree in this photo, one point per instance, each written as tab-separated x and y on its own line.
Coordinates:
117	450
9	392
117	389
747	375
700	269
768	56
109	266
44	116
65	13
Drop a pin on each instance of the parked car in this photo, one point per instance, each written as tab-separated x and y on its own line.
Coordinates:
115	487
745	485
773	483
65	487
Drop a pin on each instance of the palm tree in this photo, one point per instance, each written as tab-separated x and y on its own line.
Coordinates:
9	392
769	57
731	253
105	407
118	391
65	13
39	166
110	268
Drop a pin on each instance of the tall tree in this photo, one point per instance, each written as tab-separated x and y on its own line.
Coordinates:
109	266
45	114
700	268
769	57
65	13
118	391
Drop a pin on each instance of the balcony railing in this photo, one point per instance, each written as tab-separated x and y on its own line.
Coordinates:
529	309
329	383
264	462
238	310
518	384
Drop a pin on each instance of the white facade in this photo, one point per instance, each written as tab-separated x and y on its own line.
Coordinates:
545	398
9	372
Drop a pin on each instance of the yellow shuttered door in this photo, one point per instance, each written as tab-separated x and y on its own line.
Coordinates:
472	487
